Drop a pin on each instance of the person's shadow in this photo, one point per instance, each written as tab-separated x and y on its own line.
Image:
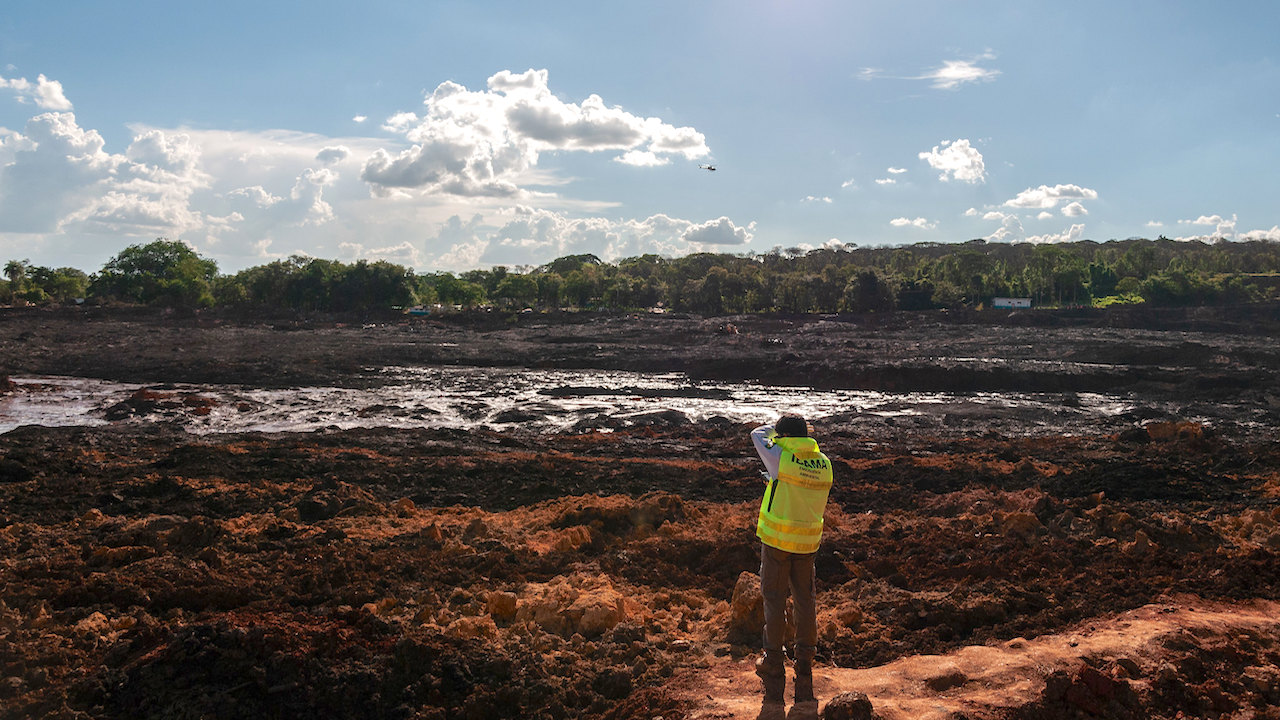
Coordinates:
778	711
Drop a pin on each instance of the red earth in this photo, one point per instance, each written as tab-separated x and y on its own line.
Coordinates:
474	573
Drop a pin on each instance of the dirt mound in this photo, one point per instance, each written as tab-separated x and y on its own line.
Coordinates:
428	574
158	403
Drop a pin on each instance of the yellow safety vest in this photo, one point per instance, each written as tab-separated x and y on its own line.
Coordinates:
791	511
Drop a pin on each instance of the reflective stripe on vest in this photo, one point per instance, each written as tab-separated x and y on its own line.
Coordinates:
791	511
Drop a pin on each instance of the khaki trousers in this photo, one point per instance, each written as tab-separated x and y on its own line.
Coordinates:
782	574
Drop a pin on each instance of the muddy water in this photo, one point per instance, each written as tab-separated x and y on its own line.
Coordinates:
559	400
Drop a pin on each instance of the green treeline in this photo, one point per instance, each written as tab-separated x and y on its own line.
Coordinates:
844	279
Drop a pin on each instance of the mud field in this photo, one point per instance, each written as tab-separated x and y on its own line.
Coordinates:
975	564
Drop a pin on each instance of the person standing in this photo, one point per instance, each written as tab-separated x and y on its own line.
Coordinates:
789	526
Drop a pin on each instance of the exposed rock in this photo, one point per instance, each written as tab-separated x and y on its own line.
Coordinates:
93	518
573	538
1141	544
574	605
596	610
1017	524
746	616
849	615
502	605
849	706
149	401
469	627
654	509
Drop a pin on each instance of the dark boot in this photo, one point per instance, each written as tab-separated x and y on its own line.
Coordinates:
774	674
804	677
804	687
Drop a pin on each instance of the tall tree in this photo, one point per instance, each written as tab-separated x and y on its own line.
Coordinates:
60	284
164	272
15	270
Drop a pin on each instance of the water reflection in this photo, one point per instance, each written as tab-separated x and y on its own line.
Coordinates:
549	400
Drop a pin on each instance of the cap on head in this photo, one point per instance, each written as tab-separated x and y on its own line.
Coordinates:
791	426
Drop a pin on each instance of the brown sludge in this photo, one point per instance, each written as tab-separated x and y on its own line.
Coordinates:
438	573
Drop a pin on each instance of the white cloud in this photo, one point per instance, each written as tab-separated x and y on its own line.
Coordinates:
138	214
957	160
401	122
949	76
482	143
814	198
1010	229
243	198
403	254
152	189
971	212
359	118
1203	220
717	232
850	183
641	158
1222	227
535	236
1154	224
886	181
1074	233
1074	209
919	222
1045	197
308	193
465	244
955	73
47	94
255	196
896	171
58	178
56	169
333	155
1273	234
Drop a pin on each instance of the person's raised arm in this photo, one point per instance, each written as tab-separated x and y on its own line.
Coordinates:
769	451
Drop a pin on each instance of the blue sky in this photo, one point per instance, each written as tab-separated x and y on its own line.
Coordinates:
452	135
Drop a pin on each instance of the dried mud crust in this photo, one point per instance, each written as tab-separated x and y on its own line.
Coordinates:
1179	353
398	573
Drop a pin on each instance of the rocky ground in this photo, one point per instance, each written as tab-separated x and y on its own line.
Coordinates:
428	573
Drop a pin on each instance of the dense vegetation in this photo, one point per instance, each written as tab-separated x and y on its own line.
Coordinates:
847	279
